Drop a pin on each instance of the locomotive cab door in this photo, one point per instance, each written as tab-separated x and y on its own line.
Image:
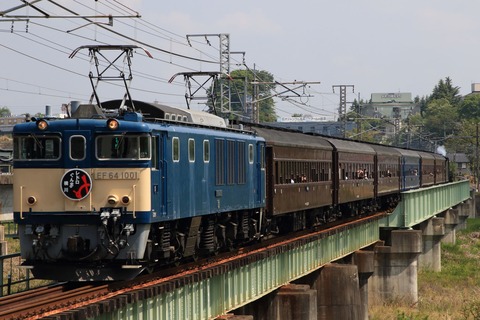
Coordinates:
158	175
77	145
261	188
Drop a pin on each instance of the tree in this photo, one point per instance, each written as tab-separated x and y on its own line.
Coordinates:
470	107
242	100
5	112
440	117
446	90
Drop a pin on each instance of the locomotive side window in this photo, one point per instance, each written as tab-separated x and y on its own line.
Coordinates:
262	156
191	150
34	147
250	153
77	147
206	151
123	147
176	149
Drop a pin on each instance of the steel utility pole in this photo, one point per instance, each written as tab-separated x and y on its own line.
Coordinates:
224	77
342	109
288	93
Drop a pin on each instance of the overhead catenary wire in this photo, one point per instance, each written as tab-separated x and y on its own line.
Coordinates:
146	28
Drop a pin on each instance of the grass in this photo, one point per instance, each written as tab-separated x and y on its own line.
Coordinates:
453	293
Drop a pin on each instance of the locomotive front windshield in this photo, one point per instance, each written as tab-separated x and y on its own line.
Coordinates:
122	146
36	147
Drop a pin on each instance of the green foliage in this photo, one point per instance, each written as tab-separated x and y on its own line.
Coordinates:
469	109
445	90
5	112
440	117
370	130
243	92
473	225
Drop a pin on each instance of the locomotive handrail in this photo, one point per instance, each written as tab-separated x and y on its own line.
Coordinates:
21	203
134	201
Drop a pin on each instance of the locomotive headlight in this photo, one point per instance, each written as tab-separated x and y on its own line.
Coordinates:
125	200
112	124
42	124
112	200
31	200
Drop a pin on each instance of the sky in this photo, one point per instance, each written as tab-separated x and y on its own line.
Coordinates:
372	46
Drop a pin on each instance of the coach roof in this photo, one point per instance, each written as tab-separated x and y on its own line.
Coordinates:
291	139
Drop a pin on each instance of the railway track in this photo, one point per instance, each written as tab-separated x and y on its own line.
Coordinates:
57	301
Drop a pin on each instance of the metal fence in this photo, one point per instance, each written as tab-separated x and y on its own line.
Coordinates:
14	278
11	229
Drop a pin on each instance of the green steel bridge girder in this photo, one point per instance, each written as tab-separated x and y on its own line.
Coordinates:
420	205
221	293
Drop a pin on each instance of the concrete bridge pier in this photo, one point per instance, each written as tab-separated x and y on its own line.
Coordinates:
336	291
294	301
289	302
364	260
396	266
465	210
338	288
452	219
433	230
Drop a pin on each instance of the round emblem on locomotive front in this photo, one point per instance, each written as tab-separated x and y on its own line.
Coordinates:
76	184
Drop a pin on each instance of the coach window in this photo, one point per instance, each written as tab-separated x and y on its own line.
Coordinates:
77	147
206	151
176	149
191	150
